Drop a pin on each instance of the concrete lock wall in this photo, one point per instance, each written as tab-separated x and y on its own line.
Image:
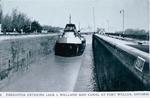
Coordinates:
119	69
18	52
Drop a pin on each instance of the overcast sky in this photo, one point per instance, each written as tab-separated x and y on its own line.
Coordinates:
56	12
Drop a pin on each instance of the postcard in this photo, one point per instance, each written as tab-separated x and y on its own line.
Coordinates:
74	48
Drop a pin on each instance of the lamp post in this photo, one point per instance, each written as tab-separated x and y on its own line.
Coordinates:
94	19
79	27
123	13
107	25
70	19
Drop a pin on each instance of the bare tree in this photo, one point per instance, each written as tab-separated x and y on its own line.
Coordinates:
7	23
17	20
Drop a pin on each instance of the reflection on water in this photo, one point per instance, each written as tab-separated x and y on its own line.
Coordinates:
50	74
67	60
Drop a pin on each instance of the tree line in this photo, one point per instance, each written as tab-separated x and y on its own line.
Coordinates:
51	28
19	22
133	33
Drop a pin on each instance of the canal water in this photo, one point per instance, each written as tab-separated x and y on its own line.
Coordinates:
55	74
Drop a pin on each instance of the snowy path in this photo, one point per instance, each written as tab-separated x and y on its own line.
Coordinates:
54	73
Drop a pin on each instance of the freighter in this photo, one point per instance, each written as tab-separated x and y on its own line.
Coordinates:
70	43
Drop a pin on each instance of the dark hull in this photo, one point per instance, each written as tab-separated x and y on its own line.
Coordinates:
69	50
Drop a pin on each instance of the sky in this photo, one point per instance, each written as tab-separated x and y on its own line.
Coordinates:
107	12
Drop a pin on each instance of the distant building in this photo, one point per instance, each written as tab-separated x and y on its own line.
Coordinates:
44	31
61	31
101	30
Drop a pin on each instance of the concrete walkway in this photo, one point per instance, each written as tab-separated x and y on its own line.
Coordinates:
86	81
124	45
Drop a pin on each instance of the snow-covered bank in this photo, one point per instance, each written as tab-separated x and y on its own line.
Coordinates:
18	52
8	37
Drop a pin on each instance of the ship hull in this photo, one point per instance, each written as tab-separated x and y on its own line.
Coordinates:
69	49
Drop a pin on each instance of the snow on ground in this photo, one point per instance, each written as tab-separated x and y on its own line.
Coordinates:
124	45
131	41
9	37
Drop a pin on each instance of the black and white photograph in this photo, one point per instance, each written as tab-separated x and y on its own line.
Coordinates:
74	46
